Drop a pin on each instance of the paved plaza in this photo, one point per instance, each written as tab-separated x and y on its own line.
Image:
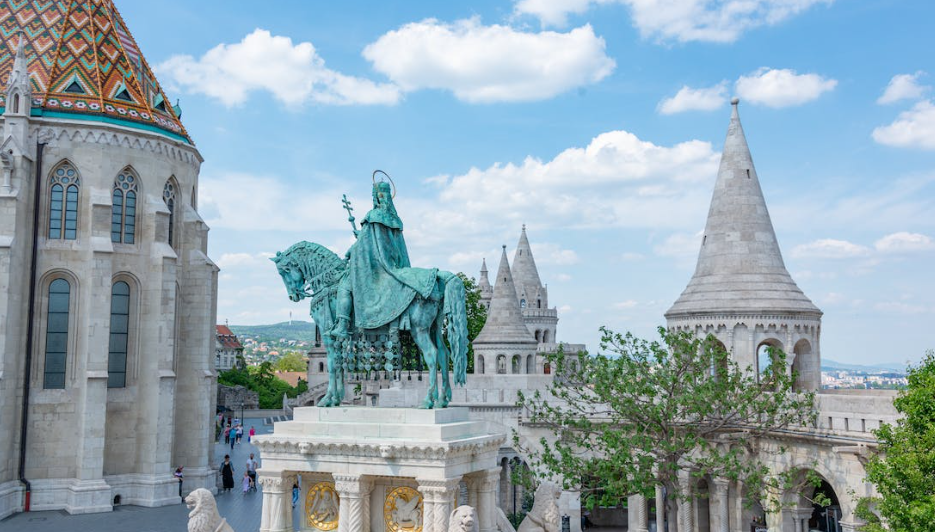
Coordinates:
241	511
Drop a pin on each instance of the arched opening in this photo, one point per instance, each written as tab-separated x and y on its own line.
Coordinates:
16	103
545	336
517	364
825	518
522	303
479	365
767	365
530	364
538	303
321	367
538	334
501	364
547	369
702	500
803	366
717	349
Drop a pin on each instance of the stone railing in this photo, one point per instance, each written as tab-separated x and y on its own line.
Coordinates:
289	404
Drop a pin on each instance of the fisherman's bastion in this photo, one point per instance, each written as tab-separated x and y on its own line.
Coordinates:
103	251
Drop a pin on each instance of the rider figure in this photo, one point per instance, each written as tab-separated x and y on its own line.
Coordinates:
380	282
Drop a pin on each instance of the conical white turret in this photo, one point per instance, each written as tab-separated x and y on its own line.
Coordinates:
526	275
505	324
740	267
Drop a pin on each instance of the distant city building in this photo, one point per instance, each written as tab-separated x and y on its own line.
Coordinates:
228	351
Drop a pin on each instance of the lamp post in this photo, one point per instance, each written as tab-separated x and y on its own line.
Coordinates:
241	413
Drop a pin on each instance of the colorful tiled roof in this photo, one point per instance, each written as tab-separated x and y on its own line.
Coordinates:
84	61
226	338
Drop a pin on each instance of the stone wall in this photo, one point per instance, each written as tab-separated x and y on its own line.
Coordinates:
234	397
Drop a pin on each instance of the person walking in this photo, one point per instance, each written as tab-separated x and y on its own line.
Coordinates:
246	483
251	434
251	470
233	437
178	475
227	434
227	473
239	434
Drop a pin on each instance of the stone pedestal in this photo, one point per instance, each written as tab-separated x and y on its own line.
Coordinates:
369	469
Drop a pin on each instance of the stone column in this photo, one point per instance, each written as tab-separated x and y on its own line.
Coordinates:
437	497
686	521
487	499
273	517
637	505
472	483
288	479
799	517
352	491
660	510
721	489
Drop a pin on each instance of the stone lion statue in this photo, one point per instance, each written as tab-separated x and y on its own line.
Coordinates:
204	516
463	519
544	515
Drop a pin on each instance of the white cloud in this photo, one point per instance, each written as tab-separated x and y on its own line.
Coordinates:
243	260
901	307
912	129
903	87
829	248
494	63
782	87
680	245
904	242
689	99
254	203
549	253
679	20
625	304
293	73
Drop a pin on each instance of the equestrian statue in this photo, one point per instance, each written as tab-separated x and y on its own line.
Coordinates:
361	302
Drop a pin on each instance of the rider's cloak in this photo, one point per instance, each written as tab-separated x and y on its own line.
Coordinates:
382	282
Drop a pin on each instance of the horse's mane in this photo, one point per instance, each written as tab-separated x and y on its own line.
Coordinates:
320	266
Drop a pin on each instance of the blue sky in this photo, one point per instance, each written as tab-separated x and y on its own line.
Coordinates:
598	123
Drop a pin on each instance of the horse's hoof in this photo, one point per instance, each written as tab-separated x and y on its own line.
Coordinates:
426	404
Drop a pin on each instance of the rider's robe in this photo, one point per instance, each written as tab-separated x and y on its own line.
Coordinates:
382	282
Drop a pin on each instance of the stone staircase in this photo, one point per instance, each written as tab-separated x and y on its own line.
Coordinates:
304	398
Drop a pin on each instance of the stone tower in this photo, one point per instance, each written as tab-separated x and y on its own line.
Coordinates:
107	295
533	297
483	283
741	291
504	345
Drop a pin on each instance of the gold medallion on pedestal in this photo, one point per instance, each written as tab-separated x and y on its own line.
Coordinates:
321	506
402	510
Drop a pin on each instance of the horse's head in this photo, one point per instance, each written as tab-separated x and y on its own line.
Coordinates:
292	276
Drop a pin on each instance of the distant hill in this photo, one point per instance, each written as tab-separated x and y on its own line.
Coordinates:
874	368
300	331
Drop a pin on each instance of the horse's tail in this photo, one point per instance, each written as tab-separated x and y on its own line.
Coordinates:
456	314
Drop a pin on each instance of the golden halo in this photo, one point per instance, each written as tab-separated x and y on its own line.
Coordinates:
392	184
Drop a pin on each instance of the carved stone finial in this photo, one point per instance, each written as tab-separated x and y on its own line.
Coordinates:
204	516
735	100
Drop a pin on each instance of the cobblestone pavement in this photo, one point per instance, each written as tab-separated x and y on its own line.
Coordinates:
242	511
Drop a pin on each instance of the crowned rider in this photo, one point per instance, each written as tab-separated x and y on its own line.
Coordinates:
380	283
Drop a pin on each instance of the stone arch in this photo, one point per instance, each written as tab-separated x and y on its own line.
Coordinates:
545	336
530	364
703	511
172	195
803	510
63	213
516	364
538	335
761	356
501	364
321	367
479	364
804	366
133	341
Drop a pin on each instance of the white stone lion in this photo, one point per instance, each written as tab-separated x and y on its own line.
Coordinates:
204	516
463	519
544	515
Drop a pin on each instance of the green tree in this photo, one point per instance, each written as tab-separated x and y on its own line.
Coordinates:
476	317
903	470
649	412
291	361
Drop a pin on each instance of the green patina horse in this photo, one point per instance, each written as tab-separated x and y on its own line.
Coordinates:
311	270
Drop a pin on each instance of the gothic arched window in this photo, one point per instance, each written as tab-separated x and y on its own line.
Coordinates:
63	207
123	217
522	303
119	335
169	196
56	335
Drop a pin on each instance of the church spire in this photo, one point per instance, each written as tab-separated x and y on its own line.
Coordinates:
740	266
19	88
505	323
528	285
